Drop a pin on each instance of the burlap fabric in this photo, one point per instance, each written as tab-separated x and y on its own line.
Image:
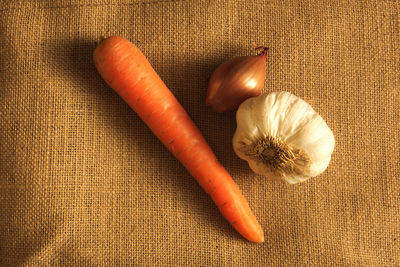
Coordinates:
83	182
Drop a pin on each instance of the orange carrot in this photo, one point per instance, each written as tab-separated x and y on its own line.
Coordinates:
123	66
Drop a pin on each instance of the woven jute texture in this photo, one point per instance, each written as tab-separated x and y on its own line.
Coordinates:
84	182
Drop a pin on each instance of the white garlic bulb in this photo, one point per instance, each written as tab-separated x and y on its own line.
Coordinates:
281	136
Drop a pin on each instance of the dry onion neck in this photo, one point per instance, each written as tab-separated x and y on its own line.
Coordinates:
263	48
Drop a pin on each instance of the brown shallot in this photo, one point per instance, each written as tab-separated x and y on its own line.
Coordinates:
236	80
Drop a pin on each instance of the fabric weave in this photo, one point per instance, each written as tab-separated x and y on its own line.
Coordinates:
83	182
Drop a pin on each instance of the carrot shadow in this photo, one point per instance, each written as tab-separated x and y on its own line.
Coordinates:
72	59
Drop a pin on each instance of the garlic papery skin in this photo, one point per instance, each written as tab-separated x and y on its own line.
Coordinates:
282	137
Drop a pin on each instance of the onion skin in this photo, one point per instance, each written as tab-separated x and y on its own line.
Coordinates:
236	80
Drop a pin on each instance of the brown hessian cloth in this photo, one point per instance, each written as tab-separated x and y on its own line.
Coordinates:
84	182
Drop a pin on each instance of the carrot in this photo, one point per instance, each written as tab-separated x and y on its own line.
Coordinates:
125	69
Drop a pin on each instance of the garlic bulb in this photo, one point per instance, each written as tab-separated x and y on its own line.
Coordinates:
282	137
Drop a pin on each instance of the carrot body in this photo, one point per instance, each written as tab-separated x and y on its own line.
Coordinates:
123	66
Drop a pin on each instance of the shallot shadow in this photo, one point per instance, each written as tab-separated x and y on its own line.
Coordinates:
191	90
